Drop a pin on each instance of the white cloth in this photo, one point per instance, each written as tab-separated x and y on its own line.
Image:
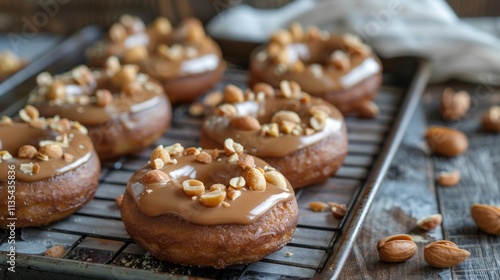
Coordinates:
426	28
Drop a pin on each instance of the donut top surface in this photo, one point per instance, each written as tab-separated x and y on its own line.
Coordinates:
93	97
318	61
273	123
208	187
160	49
39	148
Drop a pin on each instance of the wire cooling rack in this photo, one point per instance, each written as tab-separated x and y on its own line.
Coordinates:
97	245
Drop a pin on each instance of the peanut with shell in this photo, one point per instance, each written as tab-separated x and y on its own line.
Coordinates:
444	254
446	141
396	248
486	217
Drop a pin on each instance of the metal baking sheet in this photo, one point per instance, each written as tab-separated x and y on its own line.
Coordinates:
97	246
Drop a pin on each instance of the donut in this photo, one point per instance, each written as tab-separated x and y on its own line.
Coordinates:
338	68
183	59
48	167
192	206
124	110
303	137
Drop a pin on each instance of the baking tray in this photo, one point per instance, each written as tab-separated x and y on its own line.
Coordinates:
97	246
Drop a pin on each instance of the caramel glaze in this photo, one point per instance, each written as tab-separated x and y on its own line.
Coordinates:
315	52
208	58
208	55
170	198
218	128
122	107
18	134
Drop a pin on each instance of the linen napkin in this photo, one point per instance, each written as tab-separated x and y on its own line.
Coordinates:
427	28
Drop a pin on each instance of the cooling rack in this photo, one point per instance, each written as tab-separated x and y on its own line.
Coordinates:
98	247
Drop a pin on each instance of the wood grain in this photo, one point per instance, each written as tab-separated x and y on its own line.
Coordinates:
410	192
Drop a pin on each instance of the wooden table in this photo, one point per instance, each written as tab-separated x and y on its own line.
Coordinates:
410	192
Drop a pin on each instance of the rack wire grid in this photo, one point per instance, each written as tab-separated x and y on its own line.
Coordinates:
97	245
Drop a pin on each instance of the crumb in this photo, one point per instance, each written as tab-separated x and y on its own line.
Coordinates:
56	251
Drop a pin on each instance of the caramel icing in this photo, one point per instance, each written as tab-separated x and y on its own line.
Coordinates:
218	128
13	136
208	59
89	113
199	56
318	77
170	198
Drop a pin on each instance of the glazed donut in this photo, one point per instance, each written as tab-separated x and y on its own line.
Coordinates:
183	59
49	166
125	111
303	137
208	207
339	69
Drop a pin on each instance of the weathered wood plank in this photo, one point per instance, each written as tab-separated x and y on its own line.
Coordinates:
409	192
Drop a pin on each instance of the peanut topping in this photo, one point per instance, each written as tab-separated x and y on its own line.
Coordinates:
155	177
290	89
5	155
204	157
135	54
231	147
103	97
275	178
195	32
193	187
175	149
57	91
233	194
162	26
340	61
112	65
27	152
354	45
267	89
245	123
159	157
29	113
237	182
68	157
296	31
246	161
318	121
51	150
117	33
192	151
26	168
215	153
233	94
215	187
270	129
283	115
281	37
36	168
255	180
213	198
227	110
125	75
6	120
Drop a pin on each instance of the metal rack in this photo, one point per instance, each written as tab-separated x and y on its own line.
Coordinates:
97	246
